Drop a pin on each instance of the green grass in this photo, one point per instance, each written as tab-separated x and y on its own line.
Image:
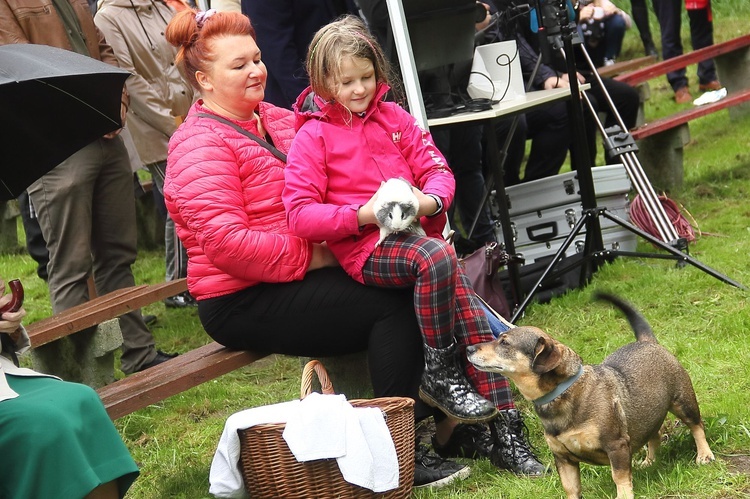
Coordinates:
702	320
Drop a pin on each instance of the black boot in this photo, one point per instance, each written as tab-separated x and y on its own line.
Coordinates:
511	451
445	386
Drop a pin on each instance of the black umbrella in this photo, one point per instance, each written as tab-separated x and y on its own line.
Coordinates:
53	102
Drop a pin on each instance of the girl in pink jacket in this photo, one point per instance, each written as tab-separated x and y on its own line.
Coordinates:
349	140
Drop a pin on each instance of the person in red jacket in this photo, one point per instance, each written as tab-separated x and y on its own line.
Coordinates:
349	142
259	286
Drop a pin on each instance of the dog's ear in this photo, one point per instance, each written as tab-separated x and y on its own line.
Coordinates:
546	356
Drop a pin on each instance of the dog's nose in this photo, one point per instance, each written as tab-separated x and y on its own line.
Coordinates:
471	349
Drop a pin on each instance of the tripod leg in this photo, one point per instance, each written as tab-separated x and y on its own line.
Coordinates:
557	258
677	254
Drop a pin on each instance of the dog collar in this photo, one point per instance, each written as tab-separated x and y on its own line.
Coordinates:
559	389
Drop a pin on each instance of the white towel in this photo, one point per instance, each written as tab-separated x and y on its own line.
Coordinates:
371	460
327	426
225	477
316	428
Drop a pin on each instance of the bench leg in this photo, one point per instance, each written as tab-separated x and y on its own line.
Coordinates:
644	94
661	158
734	73
349	374
86	357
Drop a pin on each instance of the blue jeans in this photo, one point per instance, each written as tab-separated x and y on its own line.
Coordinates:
498	325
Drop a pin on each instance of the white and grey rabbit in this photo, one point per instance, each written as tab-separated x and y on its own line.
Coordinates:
396	208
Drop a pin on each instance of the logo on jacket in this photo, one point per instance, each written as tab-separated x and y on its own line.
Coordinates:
396	137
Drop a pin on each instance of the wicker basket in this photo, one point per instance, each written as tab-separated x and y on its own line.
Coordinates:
269	469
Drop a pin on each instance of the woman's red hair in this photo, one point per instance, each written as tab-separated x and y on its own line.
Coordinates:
193	40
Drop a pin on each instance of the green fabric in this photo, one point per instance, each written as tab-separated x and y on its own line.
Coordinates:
57	442
72	26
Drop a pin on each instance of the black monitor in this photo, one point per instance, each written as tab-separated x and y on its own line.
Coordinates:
441	31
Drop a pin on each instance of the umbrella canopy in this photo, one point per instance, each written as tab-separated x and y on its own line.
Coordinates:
53	102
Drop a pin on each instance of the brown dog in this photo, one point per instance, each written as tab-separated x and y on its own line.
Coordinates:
597	414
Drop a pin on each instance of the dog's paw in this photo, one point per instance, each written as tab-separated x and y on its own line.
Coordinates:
705	458
647	461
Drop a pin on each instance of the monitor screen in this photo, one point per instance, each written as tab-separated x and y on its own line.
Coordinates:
441	31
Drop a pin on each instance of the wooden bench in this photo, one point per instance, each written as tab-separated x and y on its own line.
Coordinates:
187	370
92	361
622	67
661	141
157	383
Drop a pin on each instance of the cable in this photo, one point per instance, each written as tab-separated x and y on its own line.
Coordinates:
641	217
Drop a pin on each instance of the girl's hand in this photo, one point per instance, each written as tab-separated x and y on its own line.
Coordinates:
366	212
427	204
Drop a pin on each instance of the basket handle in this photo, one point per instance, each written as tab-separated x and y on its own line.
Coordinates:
314	366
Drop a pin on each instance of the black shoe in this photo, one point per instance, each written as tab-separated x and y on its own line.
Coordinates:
149	319
445	386
160	357
511	450
183	300
472	441
431	470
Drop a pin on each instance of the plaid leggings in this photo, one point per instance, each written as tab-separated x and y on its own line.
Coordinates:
446	306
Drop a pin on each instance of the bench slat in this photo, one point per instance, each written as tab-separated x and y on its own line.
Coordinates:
689	114
99	309
661	68
169	378
624	66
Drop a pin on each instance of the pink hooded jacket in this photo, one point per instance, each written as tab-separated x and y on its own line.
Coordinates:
337	162
223	192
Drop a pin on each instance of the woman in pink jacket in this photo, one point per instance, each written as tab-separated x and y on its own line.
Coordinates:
349	141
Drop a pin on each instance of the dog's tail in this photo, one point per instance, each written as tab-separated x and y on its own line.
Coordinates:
638	323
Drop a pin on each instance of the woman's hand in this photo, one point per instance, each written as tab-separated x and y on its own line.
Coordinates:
9	321
322	257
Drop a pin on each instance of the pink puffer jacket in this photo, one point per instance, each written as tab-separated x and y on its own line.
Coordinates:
223	192
337	162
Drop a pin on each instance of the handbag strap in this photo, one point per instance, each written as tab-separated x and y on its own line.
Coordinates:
280	155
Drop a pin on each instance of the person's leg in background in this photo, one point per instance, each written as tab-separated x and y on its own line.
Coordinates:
462	147
639	11
516	149
614	33
549	130
701	36
669	13
175	255
35	243
113	247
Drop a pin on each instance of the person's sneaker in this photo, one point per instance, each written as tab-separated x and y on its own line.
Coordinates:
711	85
149	319
682	95
473	441
609	62
183	300
431	470
160	357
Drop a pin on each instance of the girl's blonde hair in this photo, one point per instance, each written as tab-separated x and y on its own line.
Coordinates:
346	37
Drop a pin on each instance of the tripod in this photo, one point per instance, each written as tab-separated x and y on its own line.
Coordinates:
555	28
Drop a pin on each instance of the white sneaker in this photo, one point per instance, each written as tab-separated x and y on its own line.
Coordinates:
609	62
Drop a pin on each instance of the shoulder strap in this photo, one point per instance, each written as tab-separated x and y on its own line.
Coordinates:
257	139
